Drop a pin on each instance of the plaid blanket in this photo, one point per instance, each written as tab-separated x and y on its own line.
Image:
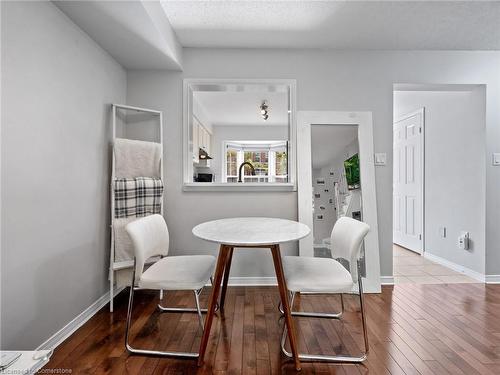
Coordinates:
138	196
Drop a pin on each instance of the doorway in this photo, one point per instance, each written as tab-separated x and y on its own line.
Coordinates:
408	181
438	183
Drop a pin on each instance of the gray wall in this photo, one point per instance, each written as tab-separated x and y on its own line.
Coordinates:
56	88
326	80
454	170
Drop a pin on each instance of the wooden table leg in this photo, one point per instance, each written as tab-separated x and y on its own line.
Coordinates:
227	269
219	271
280	276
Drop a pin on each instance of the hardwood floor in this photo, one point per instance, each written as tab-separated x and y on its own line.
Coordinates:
410	267
413	329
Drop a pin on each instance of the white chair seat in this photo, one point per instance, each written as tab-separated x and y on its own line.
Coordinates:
320	275
190	272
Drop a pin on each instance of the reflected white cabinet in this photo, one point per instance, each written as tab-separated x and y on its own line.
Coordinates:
201	139
196	144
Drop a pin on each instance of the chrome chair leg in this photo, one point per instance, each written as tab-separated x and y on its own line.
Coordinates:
313	314
187	309
156	353
200	316
362	308
335	358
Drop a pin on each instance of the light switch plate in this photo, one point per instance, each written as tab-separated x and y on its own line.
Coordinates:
381	158
442	232
496	158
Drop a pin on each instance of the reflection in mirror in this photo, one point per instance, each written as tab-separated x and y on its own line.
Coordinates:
336	181
238	133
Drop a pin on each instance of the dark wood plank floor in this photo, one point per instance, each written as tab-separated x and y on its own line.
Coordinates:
413	329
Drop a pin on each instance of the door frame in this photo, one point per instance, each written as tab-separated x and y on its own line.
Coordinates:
420	111
364	122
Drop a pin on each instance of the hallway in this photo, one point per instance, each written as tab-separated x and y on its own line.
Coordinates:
410	267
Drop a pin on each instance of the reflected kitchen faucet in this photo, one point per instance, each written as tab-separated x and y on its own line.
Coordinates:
242	165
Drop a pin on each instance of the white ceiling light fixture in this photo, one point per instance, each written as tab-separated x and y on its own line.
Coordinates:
264	110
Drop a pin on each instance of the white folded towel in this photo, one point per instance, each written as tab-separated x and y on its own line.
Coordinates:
124	248
136	158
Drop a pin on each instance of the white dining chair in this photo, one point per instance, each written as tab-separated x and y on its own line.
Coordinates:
328	276
150	238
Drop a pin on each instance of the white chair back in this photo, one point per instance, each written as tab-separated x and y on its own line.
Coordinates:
150	238
347	236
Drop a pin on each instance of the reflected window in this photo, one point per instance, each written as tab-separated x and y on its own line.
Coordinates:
281	166
260	161
231	165
238	132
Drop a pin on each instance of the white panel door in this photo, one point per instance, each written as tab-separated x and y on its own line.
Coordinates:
408	182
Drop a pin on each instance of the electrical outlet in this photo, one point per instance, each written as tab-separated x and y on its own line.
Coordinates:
463	240
496	158
442	232
380	158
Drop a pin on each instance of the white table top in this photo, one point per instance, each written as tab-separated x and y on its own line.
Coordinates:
251	231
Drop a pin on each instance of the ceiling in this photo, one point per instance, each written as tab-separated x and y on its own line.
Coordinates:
136	33
242	108
397	25
143	34
328	142
435	87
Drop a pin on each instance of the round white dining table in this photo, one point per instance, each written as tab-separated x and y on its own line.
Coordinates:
249	232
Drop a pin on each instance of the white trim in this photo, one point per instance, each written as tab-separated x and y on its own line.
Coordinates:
387	280
57	338
492	279
406	116
248	186
188	85
139	109
369	197
456	267
252	281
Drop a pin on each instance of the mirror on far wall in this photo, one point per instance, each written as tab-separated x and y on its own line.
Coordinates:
336	181
336	177
238	133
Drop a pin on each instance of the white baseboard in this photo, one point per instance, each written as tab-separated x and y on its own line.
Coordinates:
57	338
455	267
252	281
492	279
387	280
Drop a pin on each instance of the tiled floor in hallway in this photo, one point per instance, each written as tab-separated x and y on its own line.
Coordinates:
410	267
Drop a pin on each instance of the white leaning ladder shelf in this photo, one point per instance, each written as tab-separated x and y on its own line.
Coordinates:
116	266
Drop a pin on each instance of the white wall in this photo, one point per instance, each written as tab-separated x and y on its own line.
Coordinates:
57	85
201	114
454	170
326	80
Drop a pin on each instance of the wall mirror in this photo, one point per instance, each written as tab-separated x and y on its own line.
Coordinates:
239	134
336	184
337	178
